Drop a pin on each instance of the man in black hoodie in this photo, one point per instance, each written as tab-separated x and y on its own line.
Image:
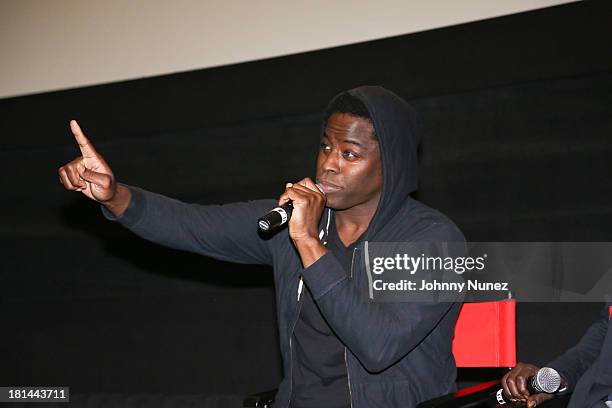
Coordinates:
339	348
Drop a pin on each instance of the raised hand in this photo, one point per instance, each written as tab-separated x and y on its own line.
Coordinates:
92	176
89	173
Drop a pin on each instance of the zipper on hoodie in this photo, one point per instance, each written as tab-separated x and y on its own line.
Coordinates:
348	378
348	373
299	308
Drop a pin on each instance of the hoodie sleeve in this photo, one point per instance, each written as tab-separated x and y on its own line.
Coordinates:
575	361
379	334
225	232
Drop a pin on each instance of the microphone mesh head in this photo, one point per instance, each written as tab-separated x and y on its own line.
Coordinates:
547	380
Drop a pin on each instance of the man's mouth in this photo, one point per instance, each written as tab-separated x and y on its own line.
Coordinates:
328	187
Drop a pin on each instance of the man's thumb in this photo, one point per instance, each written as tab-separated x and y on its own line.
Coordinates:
537	399
100	179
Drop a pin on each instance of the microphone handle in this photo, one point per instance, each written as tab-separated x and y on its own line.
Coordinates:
276	218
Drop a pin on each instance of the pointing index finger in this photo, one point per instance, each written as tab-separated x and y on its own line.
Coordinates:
87	149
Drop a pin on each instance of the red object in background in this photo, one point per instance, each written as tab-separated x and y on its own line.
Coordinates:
485	334
610	311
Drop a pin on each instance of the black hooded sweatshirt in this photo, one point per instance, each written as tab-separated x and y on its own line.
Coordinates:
396	354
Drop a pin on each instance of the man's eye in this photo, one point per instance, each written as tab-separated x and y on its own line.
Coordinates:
325	147
349	155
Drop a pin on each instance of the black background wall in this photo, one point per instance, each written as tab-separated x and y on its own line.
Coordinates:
517	144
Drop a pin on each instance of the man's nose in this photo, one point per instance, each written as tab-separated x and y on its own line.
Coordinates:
331	162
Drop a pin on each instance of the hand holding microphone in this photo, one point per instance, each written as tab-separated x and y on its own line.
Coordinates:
301	206
529	384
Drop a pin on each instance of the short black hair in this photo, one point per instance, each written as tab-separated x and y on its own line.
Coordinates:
351	105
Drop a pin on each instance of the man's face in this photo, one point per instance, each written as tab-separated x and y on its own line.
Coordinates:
348	166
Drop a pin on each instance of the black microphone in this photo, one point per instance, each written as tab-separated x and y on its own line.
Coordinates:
276	218
547	380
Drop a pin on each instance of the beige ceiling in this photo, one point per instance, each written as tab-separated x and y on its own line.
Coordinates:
49	45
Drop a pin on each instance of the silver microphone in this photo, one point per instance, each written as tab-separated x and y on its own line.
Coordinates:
546	380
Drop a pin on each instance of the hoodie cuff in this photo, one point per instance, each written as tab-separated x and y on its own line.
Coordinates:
134	211
323	275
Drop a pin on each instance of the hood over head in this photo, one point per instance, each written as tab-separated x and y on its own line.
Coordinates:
395	125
